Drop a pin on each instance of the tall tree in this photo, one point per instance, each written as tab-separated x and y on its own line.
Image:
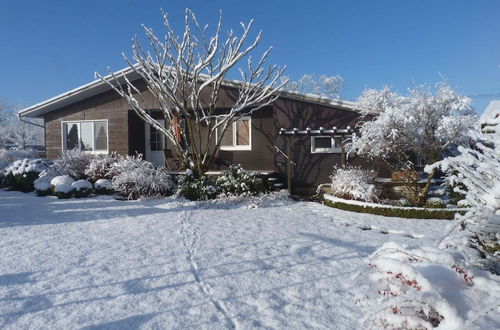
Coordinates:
422	126
321	85
186	75
15	132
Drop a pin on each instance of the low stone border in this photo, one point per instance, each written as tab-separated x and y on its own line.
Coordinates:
390	210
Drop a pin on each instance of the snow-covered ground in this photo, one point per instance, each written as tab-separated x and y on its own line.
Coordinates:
102	263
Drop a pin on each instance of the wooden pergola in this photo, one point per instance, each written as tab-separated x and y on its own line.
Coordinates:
291	135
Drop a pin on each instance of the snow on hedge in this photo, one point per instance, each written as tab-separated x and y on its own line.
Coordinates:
23	166
63	188
62	179
81	184
103	183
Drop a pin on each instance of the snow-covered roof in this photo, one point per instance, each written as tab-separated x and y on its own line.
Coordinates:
492	111
98	86
490	119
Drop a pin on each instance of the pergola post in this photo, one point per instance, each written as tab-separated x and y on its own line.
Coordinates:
289	170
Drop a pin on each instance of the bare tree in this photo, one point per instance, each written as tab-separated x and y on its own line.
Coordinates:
186	75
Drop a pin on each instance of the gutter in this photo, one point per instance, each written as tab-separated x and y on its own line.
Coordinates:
28	122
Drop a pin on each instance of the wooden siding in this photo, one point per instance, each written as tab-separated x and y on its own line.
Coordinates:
312	169
107	105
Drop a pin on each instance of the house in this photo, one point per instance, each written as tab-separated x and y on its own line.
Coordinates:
299	137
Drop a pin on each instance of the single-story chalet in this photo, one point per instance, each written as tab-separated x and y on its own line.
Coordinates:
298	138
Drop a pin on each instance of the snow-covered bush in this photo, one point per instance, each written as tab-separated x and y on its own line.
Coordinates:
22	173
64	191
82	188
74	163
103	187
99	167
8	156
354	183
194	188
236	181
134	178
61	179
42	186
435	203
419	289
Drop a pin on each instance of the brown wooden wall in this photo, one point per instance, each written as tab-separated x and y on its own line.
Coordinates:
104	106
126	133
312	169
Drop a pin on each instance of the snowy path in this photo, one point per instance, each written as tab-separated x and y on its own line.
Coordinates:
100	263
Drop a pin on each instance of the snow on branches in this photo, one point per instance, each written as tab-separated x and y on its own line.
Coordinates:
320	85
475	174
422	125
186	74
422	288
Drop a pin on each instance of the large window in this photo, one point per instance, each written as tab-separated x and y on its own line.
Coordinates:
86	135
238	135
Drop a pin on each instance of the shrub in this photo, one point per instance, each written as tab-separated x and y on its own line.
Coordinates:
354	183
42	187
82	188
195	189
22	173
74	163
100	166
412	213
134	178
103	187
64	191
8	156
61	179
435	203
235	181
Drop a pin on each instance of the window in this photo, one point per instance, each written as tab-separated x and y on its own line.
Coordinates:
155	139
238	135
324	144
86	135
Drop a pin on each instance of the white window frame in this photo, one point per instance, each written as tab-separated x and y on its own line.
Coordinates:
64	135
235	147
332	150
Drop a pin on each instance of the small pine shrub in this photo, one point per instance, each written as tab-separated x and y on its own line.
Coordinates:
135	178
64	191
354	183
103	187
235	181
196	189
82	188
22	173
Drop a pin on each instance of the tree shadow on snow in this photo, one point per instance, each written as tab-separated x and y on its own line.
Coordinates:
132	322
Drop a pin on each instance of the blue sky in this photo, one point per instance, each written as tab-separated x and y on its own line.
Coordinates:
49	47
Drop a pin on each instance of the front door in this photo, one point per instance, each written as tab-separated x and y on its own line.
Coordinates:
155	145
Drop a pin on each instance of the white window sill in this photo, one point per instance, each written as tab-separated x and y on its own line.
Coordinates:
326	151
236	148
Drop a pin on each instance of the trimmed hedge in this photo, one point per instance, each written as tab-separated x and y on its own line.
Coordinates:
444	214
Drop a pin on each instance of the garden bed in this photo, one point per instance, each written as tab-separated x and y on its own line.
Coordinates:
391	210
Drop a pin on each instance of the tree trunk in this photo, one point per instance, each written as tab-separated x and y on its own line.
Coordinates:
422	197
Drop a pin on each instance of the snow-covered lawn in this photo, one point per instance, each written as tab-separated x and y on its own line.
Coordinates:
102	263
